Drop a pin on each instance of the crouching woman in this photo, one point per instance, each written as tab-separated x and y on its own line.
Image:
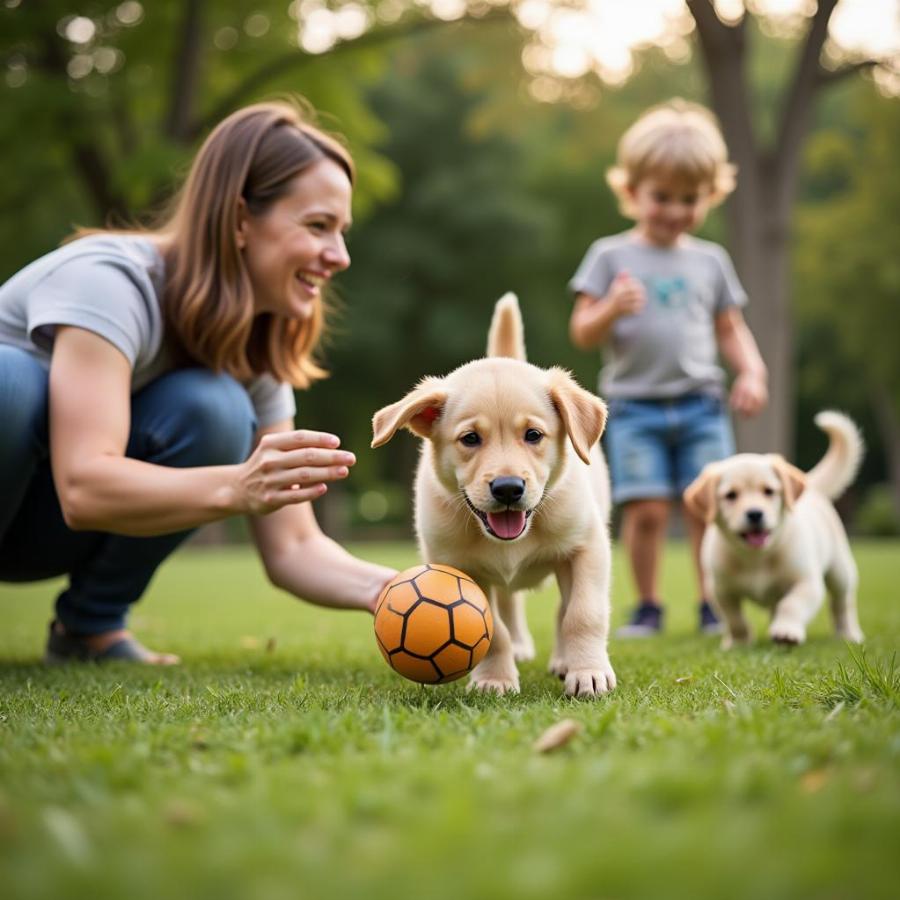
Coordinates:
146	386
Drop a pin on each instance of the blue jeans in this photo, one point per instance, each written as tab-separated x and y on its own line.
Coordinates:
185	418
656	448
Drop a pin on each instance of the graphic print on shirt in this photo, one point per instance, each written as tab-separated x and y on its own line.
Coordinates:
668	293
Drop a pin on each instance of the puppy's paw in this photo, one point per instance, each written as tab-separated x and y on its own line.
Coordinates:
851	633
590	682
784	631
558	666
493	684
523	648
733	639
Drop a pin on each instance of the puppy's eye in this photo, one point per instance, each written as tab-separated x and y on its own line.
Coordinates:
731	495
471	439
769	492
533	436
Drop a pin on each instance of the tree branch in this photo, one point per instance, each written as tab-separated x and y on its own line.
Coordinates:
298	58
716	35
723	49
89	160
185	73
826	77
804	83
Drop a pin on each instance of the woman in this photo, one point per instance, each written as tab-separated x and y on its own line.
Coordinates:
145	386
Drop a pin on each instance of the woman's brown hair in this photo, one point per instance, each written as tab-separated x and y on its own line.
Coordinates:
252	155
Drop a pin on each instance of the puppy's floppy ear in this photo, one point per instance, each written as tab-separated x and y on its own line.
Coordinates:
583	413
700	494
417	411
793	480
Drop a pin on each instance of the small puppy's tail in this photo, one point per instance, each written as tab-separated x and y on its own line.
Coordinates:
507	334
838	467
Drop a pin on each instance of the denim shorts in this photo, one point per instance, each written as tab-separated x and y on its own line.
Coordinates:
656	448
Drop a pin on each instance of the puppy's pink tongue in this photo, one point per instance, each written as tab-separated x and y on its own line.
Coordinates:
508	524
756	538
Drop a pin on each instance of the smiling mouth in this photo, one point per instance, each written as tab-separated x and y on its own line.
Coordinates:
756	537
316	282
506	524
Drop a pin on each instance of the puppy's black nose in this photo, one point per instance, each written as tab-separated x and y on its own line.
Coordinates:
507	489
754	516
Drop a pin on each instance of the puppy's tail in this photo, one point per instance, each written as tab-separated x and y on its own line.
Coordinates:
507	334
837	468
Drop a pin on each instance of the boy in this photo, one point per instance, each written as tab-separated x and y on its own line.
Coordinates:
665	302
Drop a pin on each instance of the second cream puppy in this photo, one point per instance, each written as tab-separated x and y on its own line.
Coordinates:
774	537
511	487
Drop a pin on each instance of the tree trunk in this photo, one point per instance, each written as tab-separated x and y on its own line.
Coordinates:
760	210
889	426
186	73
759	227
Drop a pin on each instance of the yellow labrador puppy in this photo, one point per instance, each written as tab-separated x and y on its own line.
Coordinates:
774	537
511	487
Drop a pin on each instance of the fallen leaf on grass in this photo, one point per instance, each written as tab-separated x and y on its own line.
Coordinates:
557	736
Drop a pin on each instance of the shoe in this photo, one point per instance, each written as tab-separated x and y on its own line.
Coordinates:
65	648
709	621
645	621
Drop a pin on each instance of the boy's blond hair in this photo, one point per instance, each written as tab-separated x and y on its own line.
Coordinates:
679	140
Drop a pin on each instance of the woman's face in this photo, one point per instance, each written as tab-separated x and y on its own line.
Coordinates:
294	247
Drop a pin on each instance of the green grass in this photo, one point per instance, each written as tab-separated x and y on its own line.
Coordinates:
309	769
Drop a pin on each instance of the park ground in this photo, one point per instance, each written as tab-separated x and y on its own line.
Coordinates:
284	759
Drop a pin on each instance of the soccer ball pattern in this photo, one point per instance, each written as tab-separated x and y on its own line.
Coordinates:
433	624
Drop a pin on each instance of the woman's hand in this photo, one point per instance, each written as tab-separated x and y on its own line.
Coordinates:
289	467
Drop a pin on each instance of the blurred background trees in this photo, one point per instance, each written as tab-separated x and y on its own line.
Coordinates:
482	133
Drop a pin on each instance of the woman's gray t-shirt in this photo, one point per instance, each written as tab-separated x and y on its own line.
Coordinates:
111	285
669	348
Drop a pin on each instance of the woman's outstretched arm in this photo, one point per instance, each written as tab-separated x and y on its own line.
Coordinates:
100	489
302	560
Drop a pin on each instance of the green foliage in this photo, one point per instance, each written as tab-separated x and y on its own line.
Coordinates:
846	277
498	193
284	758
89	146
467	188
877	515
852	225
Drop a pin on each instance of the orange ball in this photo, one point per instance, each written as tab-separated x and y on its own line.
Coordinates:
433	624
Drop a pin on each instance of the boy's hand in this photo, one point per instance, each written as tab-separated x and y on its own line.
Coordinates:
749	394
626	294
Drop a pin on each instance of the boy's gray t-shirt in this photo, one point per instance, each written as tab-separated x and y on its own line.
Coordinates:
669	348
112	285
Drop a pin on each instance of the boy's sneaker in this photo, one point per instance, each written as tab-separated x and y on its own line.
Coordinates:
645	621
709	621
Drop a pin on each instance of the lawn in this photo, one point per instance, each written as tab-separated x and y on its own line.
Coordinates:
283	759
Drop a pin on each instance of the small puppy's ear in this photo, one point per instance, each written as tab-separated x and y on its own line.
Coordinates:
700	494
417	411
583	413
793	480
